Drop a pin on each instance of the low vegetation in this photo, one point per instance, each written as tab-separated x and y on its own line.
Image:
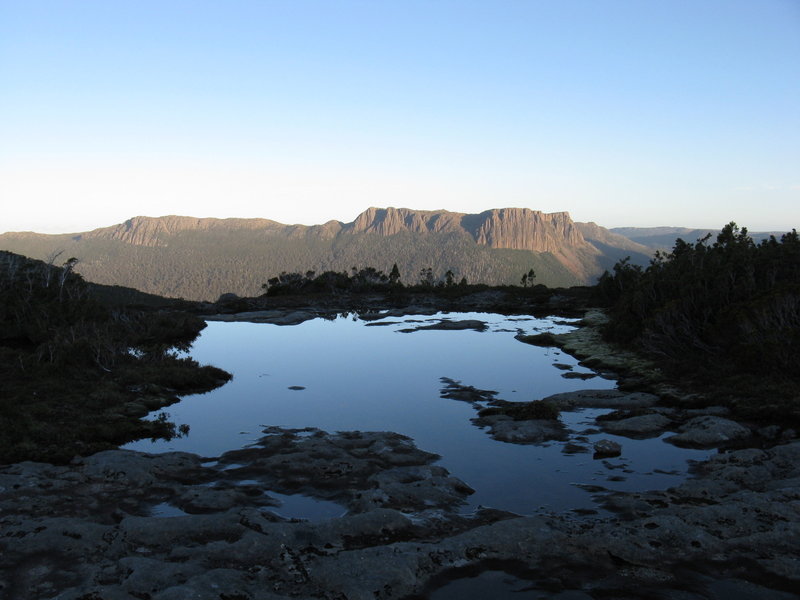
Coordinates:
444	284
367	279
723	314
78	375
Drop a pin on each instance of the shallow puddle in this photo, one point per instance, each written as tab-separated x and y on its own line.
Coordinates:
299	506
496	585
359	376
165	510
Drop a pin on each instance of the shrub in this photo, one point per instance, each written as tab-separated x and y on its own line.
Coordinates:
70	366
713	311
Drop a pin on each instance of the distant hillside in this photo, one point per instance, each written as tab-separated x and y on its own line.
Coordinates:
663	238
613	246
200	259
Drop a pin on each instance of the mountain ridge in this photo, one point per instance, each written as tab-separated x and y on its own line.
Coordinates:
513	228
663	238
495	246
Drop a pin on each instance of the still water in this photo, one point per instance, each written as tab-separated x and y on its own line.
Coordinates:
374	377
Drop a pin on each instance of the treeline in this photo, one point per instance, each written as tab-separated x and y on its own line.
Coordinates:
204	265
358	280
77	374
368	279
727	310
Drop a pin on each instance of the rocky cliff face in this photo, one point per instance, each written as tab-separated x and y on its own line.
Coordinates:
525	229
514	228
153	231
389	221
511	228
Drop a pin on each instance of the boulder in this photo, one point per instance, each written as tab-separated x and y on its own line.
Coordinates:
606	449
639	426
535	431
707	431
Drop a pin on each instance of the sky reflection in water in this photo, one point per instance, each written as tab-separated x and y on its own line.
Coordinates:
359	377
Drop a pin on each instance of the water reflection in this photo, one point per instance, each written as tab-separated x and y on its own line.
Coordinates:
299	506
341	374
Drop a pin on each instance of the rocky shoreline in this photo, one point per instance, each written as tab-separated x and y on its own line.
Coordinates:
92	530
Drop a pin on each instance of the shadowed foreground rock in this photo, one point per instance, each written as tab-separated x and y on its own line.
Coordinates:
85	531
708	430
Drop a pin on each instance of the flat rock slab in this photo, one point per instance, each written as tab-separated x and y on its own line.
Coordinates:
707	431
70	532
534	431
446	325
360	470
602	399
587	344
640	426
275	317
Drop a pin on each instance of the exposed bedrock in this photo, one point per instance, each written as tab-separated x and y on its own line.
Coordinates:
90	530
735	525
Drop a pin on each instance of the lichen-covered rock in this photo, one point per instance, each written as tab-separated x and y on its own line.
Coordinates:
83	531
708	430
639	426
602	399
534	431
447	325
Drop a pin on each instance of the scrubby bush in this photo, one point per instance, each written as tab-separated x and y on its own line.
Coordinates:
727	309
359	280
69	365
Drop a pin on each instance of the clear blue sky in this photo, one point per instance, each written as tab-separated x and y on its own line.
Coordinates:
626	113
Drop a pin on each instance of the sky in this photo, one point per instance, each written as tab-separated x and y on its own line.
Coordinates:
622	112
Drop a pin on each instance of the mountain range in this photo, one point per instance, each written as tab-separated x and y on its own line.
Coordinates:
663	238
201	258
